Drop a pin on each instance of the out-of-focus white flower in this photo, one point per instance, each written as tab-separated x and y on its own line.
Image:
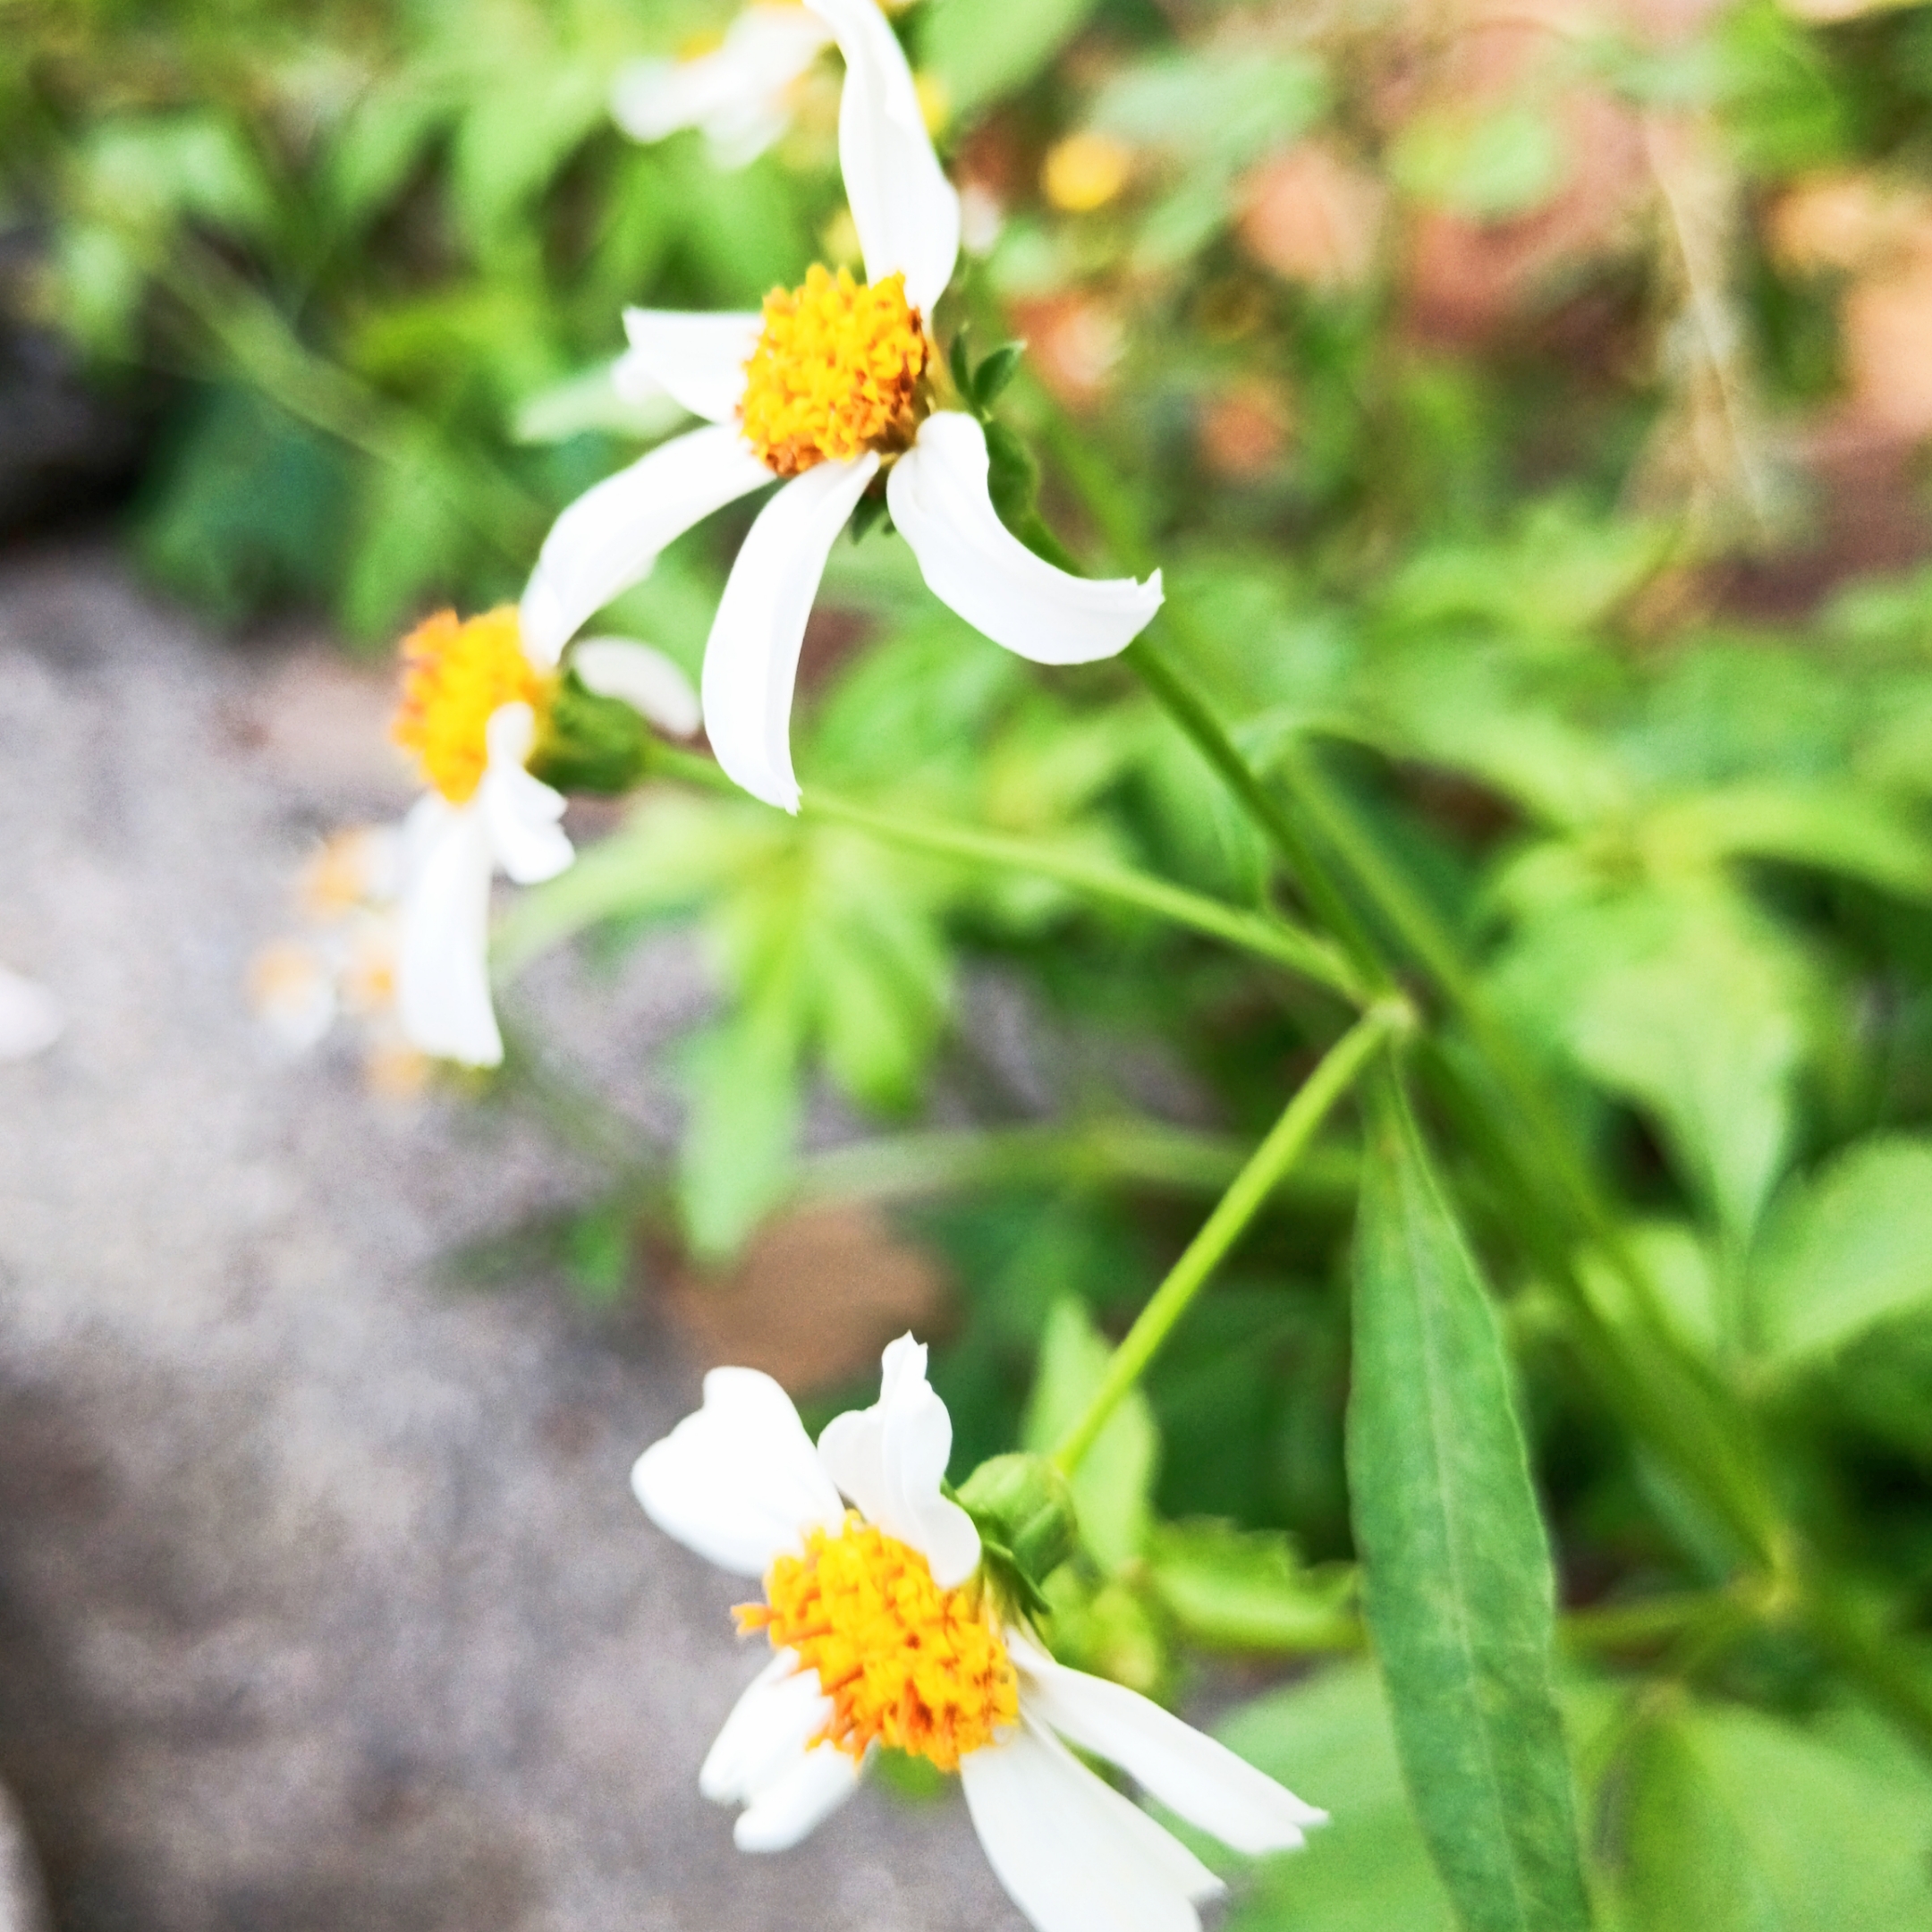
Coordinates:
886	1633
831	389
473	706
30	1017
737	93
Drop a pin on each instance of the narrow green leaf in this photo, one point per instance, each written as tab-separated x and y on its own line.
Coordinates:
983	49
991	376
1457	1584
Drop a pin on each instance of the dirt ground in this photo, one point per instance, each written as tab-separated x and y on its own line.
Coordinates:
323	1602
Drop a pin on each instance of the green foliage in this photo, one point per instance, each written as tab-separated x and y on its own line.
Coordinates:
1456	1574
1516	474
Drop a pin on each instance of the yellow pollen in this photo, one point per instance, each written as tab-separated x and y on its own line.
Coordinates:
836	372
454	676
905	1663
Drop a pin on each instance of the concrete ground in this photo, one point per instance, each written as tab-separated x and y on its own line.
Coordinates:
323	1602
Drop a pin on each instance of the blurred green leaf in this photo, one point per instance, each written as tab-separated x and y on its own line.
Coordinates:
1488	162
1456	1578
1689	1004
1328	1739
980	49
1733	1822
740	1078
1846	1251
1238	1590
1113	1484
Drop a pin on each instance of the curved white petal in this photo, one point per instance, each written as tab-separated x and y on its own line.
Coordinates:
890	1459
1202	1781
939	499
645	679
906	211
699	359
30	1017
609	539
735	94
521	812
792	1807
1074	1855
752	659
770	1728
443	997
738	1482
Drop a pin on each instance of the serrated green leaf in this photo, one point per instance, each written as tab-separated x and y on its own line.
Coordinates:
1457	1586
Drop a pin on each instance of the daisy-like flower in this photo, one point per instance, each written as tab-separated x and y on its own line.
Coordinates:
475	710
737	93
887	1632
835	386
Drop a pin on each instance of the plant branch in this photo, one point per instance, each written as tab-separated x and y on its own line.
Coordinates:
1265	1173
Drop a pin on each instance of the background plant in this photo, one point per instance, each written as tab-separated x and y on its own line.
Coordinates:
1526	415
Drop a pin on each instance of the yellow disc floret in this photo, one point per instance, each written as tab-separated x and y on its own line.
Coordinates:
836	372
454	676
905	1663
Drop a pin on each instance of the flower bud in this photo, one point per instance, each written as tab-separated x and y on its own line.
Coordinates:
1023	1509
590	743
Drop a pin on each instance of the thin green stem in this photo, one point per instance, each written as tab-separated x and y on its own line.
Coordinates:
1264	1172
1269	938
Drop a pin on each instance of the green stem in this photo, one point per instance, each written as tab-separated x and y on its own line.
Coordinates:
1178	698
1269	939
1269	1166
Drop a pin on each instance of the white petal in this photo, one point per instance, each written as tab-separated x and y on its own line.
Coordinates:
443	997
1074	1855
770	1728
732	93
609	539
939	499
1203	1781
906	211
795	1805
890	1459
30	1017
752	659
520	811
738	1482
699	359
645	679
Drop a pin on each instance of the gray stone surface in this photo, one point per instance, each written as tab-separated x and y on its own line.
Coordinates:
323	1601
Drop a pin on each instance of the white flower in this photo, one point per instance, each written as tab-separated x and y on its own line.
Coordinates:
472	704
830	387
737	93
30	1017
884	1635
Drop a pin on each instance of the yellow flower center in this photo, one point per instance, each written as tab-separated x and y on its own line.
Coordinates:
836	372
905	1663
454	676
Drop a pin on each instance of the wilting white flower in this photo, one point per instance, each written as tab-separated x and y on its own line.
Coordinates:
30	1017
832	386
885	1633
738	93
473	705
